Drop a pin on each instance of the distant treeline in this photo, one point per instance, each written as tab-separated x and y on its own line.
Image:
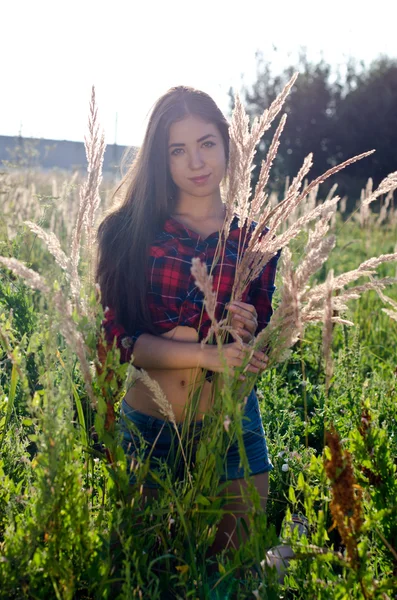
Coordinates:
335	116
49	154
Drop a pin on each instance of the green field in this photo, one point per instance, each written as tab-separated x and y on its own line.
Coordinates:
69	525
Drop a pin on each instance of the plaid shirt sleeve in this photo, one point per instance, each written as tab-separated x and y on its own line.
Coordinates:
168	276
114	331
262	290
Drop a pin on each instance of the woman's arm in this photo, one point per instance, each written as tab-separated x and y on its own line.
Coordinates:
156	352
159	352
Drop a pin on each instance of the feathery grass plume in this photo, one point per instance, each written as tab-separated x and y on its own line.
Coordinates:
261	248
75	341
387	184
307	204
327	330
395	248
329	196
314	297
64	310
157	394
89	196
258	255
241	154
203	281
364	212
346	504
31	278
393	216
260	195
20	203
317	250
95	150
250	265
291	200
355	292
52	243
391	313
300	304
367	268
285	326
331	192
286	206
383	213
375	261
239	163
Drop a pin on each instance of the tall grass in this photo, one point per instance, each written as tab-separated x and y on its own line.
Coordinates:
72	526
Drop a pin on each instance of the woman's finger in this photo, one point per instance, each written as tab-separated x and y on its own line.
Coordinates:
249	323
236	309
259	360
251	369
245	335
249	308
259	365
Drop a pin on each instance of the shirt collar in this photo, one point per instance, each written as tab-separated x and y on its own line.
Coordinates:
177	229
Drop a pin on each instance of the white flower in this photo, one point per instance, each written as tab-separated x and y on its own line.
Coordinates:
127	342
285	467
281	453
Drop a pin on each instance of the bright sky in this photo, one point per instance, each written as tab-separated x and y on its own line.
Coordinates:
52	51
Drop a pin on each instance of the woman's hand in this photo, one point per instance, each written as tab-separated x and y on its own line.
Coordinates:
244	319
234	356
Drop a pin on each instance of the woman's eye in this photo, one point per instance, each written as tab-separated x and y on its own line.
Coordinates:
177	152
209	144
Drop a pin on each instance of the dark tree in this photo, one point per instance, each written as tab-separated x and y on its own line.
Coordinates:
366	119
335	117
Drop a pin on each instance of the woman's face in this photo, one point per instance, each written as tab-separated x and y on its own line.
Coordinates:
196	156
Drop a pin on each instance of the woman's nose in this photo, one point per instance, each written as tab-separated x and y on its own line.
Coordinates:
196	160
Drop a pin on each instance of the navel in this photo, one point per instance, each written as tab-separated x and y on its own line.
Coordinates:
183	383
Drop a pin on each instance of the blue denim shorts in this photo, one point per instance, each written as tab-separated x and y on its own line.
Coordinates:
160	442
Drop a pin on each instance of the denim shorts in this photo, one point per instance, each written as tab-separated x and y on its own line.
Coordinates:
161	442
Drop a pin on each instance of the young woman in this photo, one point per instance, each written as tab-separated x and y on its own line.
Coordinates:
171	211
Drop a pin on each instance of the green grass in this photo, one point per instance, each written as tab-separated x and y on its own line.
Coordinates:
70	527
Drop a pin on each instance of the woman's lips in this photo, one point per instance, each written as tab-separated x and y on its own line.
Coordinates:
200	180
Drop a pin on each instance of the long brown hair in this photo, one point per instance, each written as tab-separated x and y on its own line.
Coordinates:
147	196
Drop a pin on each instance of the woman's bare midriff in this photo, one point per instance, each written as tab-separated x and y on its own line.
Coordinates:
177	384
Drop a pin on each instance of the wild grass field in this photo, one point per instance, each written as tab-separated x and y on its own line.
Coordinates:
72	527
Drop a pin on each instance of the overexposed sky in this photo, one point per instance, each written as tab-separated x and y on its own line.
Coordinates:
52	51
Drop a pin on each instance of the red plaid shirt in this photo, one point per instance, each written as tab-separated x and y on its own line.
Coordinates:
173	297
